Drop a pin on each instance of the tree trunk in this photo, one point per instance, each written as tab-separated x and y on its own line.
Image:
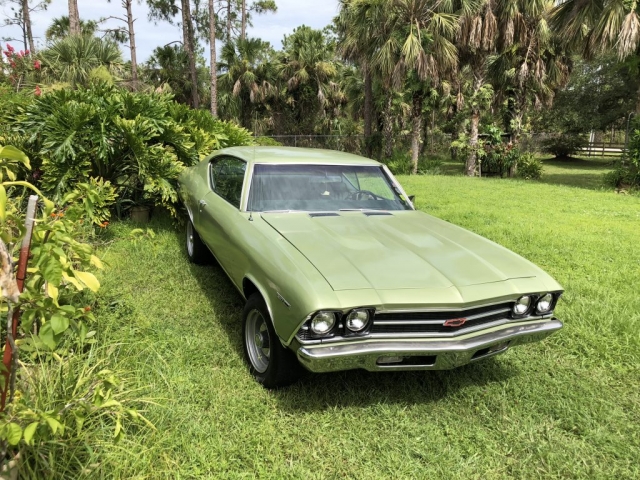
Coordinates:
74	18
132	43
188	42
26	18
368	110
243	32
470	167
416	129
229	20
387	129
214	63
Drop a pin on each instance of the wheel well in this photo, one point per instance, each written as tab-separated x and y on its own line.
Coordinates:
249	288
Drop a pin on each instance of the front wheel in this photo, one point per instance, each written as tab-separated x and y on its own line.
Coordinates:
270	363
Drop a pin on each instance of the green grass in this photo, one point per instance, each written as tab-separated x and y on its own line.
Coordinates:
568	407
584	172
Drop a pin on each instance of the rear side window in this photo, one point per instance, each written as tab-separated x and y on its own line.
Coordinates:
227	177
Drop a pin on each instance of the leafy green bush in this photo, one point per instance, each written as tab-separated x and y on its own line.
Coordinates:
563	145
529	167
267	142
60	393
626	174
139	142
400	163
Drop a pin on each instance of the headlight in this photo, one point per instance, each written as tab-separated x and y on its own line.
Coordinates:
544	303
357	320
522	305
323	322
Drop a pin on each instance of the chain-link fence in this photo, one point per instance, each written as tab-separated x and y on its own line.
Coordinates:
434	143
439	144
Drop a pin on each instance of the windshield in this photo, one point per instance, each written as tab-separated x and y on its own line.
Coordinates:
322	188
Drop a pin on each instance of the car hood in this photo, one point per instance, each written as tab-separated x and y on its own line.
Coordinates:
402	250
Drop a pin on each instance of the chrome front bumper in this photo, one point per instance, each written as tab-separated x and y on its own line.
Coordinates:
422	353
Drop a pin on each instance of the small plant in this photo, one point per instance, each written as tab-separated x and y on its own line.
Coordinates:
564	145
431	166
529	167
267	142
400	163
57	390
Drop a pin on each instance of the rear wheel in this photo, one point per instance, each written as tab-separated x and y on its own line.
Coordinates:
197	251
270	363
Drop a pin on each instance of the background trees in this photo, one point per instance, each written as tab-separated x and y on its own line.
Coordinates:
400	73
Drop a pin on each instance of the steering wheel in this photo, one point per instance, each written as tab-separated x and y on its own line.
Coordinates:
364	195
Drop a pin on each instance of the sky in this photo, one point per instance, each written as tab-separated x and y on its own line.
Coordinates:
270	27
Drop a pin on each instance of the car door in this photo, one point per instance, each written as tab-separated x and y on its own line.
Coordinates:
220	215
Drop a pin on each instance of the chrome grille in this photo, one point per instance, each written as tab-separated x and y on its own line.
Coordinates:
433	321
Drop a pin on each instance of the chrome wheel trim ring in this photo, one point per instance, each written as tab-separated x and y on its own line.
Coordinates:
190	239
257	340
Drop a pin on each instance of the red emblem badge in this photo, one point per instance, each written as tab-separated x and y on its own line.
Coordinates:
455	322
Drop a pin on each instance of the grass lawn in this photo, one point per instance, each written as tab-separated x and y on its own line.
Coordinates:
565	408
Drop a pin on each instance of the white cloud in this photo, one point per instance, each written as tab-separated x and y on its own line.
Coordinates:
269	27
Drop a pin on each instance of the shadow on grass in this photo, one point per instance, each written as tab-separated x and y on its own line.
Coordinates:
349	388
586	172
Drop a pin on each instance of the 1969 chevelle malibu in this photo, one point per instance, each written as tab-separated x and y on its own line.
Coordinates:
339	271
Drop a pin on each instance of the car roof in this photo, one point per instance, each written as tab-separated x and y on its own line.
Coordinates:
295	155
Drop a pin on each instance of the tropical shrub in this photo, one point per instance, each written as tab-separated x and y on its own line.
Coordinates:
268	142
529	167
626	174
139	142
563	145
400	163
61	391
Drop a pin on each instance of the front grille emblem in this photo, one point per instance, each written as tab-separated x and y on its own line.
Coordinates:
455	322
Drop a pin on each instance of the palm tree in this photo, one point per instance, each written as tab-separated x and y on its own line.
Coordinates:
476	40
74	58
359	25
530	65
59	28
417	52
247	78
598	26
310	71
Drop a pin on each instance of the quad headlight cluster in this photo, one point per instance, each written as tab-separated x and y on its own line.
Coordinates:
327	323
538	304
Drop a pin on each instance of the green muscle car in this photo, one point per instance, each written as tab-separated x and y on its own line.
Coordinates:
339	271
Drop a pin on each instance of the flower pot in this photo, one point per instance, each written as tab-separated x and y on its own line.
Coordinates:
140	213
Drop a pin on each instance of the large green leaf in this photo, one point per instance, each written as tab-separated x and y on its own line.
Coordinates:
12	153
59	323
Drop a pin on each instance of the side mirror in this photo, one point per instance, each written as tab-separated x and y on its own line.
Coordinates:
412	198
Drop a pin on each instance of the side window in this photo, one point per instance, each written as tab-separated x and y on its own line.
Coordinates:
227	176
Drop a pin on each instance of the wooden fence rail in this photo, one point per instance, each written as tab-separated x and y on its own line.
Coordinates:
604	149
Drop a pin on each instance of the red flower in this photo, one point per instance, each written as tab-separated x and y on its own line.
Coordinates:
87	309
21	54
10	48
38	92
13	64
27	52
37	65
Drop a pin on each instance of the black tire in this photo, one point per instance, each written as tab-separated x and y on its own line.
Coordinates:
197	251
277	368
